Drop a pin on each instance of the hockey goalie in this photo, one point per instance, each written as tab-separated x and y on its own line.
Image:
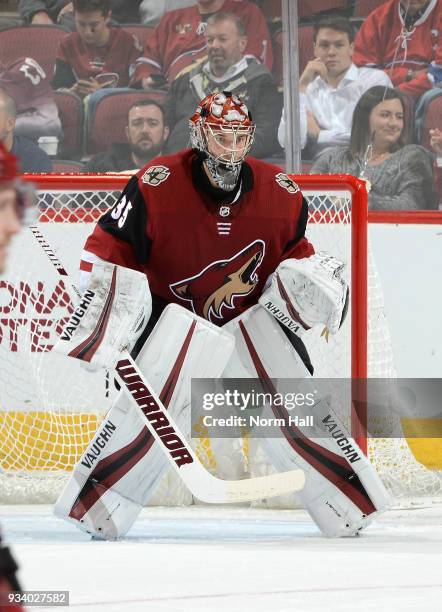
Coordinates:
220	280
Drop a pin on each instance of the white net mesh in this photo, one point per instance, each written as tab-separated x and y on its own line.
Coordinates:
402	474
50	406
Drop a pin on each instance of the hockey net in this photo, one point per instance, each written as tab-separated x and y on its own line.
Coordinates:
50	406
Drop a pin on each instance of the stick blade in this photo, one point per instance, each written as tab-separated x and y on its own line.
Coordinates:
272	485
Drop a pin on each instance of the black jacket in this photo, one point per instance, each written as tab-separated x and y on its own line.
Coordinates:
117	159
30	157
255	86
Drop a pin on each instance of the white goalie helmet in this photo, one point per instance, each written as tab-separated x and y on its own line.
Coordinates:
222	129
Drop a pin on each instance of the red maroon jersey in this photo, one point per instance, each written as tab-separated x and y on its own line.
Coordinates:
384	42
211	258
179	39
27	83
116	56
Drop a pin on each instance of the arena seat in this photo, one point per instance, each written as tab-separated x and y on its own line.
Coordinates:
306	166
365	7
108	122
71	113
63	166
37	41
142	32
278	65
305	45
271	10
308	9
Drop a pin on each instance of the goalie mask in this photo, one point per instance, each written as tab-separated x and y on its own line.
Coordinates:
25	205
222	129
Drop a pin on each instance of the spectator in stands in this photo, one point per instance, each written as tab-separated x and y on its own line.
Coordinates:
178	40
47	12
97	55
227	69
400	174
28	84
31	157
331	85
403	38
146	133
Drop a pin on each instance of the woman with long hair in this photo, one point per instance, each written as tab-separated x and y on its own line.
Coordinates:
400	174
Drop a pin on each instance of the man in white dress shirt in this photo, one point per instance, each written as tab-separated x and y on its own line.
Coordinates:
330	87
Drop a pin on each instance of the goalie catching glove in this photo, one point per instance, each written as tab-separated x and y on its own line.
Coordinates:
308	292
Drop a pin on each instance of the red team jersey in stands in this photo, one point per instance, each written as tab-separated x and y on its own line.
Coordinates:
116	56
30	87
382	38
27	83
179	39
192	251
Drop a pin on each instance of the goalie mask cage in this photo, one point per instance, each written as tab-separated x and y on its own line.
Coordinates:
51	406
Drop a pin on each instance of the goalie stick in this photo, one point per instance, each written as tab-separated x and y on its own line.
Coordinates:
201	483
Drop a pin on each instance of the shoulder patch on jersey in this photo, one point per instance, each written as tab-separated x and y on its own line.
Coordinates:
155	175
286	183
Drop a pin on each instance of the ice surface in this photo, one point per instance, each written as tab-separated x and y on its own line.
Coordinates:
235	559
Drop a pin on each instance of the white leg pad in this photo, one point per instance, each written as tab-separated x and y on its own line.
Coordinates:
343	492
122	466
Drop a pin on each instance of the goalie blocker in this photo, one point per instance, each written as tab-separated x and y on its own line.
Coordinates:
306	292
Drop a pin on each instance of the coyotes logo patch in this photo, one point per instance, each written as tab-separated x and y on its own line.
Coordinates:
216	287
155	175
286	183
